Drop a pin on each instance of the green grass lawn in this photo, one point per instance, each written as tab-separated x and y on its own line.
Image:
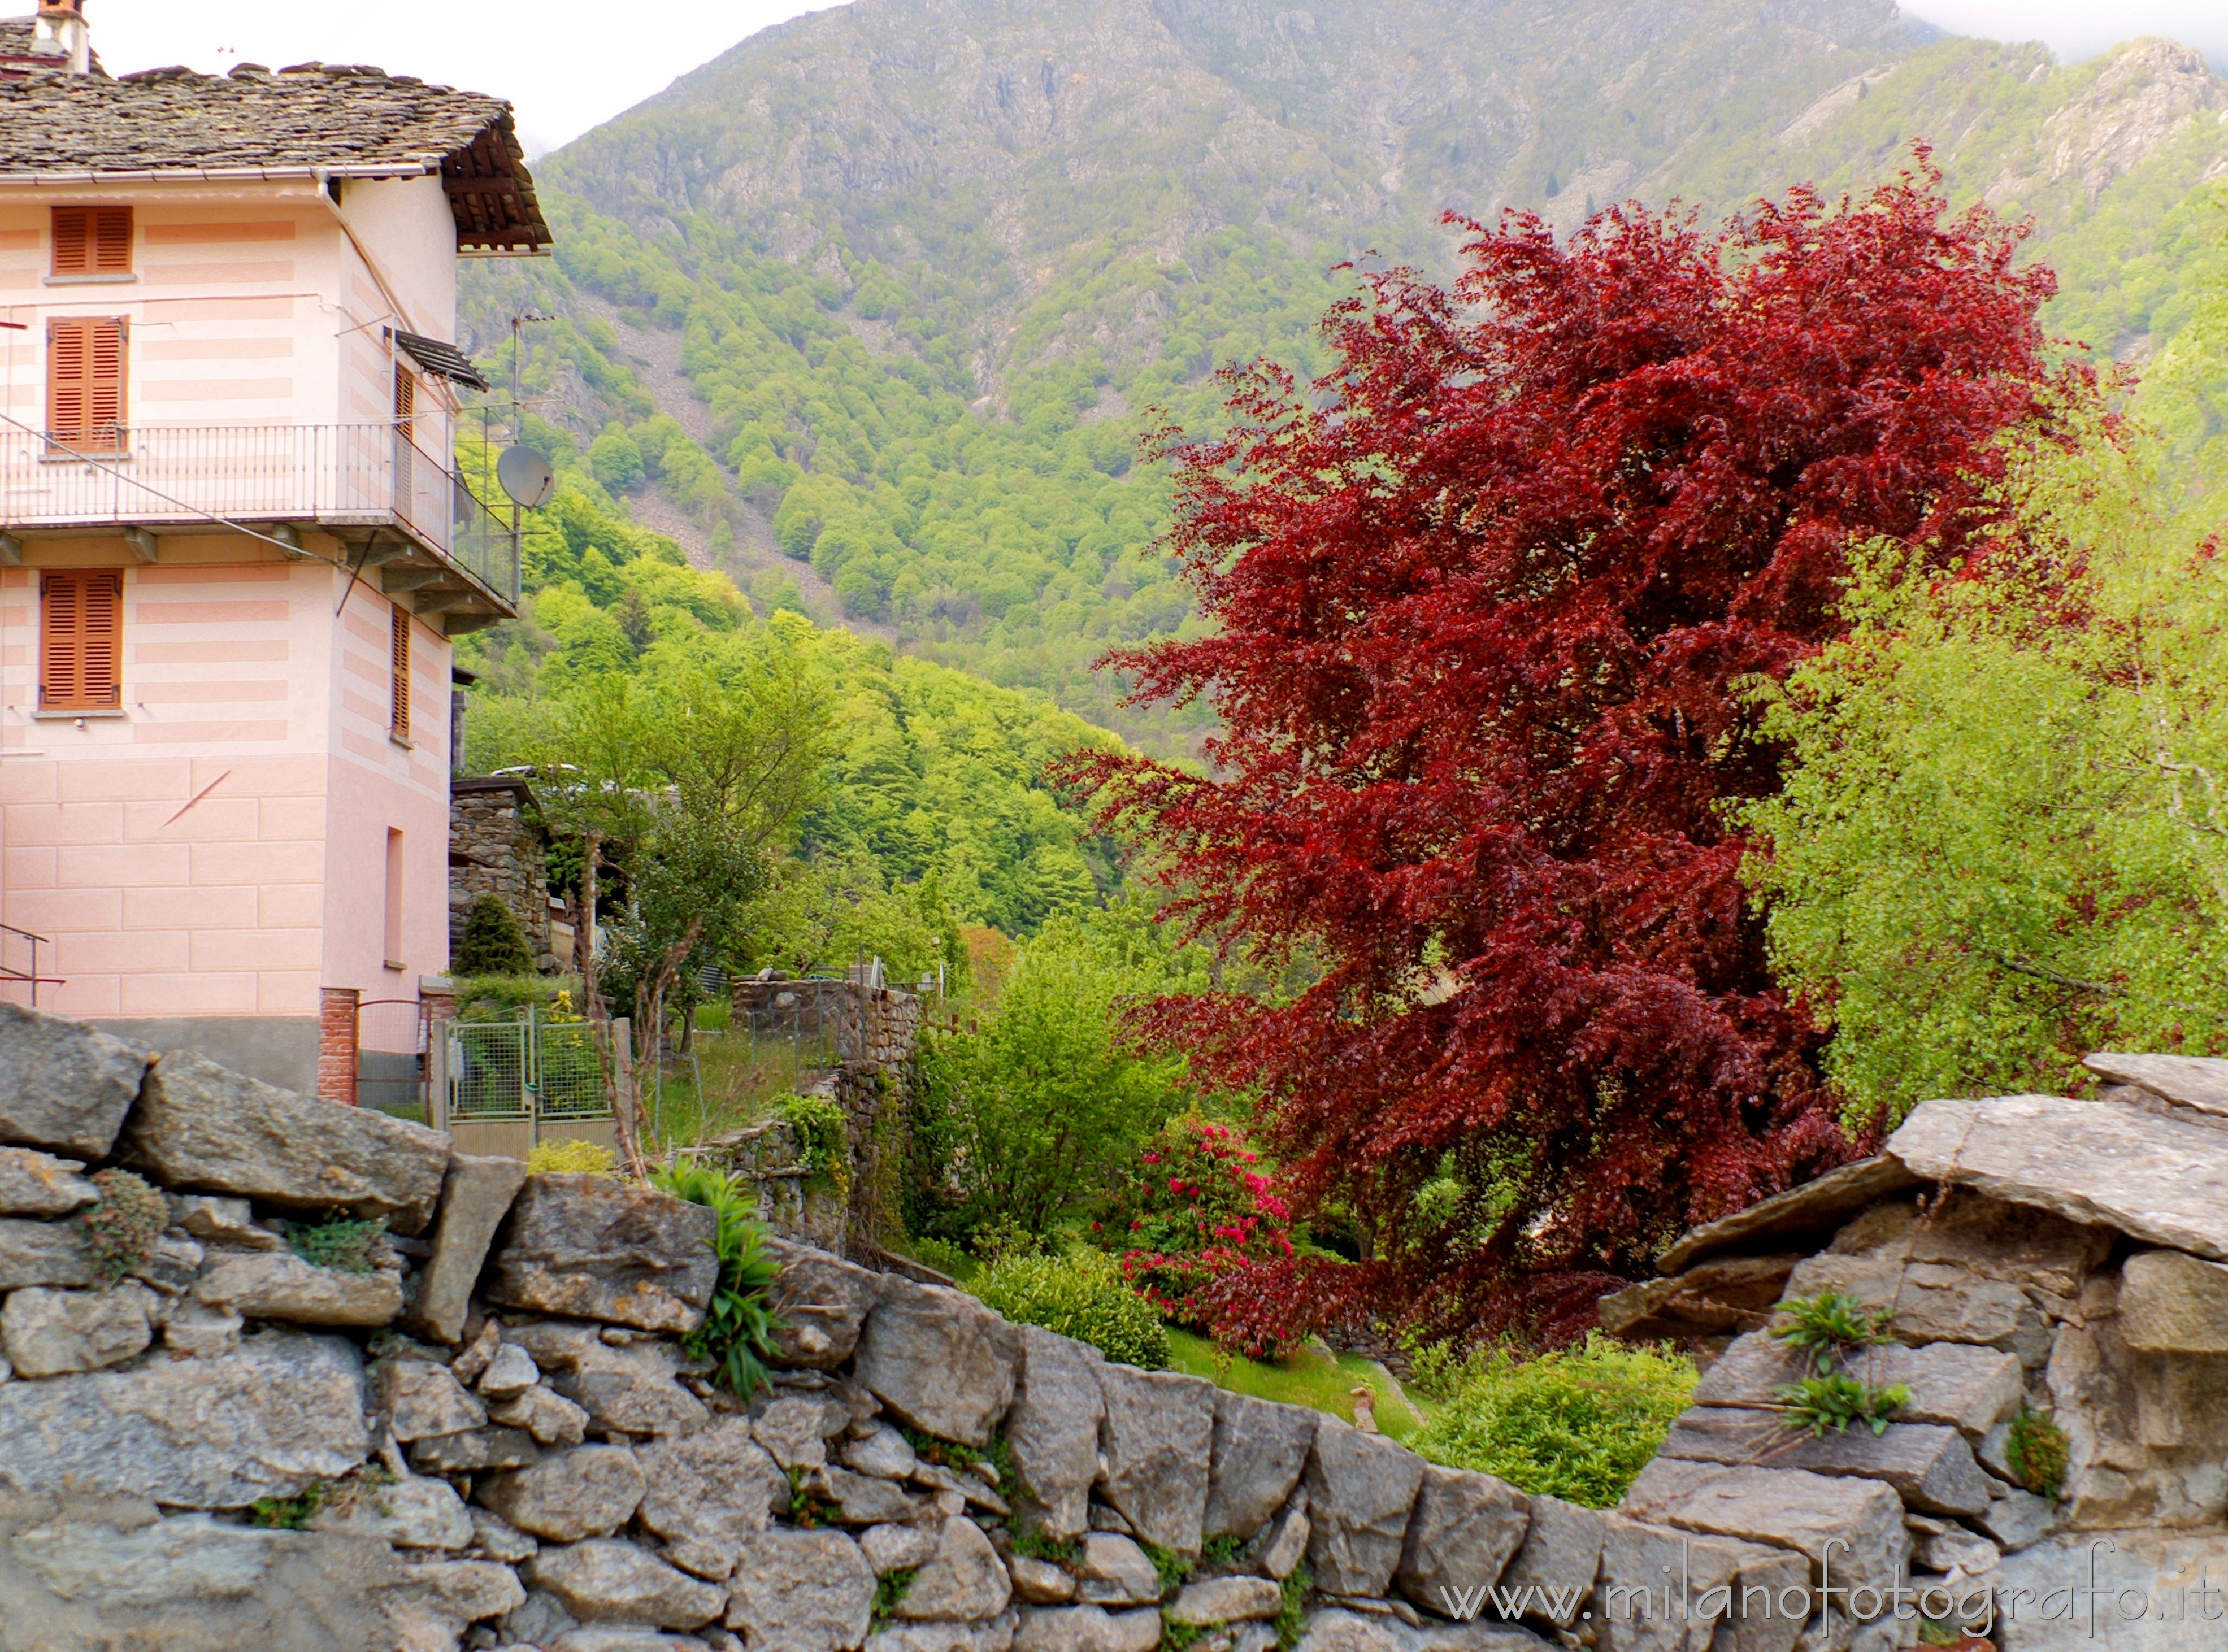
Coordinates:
1309	1376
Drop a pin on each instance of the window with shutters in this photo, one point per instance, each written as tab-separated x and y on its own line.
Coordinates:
399	678
93	240
80	639
85	363
406	402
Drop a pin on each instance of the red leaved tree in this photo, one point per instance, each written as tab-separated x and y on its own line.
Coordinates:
1484	603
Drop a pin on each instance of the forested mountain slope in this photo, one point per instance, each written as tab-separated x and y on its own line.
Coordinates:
874	308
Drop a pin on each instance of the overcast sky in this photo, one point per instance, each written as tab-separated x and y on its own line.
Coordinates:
570	64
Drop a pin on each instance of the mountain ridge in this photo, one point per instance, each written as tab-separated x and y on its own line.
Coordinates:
907	278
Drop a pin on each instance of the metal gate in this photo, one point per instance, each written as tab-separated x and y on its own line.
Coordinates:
510	1084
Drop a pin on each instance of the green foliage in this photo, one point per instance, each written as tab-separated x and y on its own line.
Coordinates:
1082	1296
890	1588
1837	1399
951	1454
944	1256
1830	1326
738	1333
119	1232
492	944
807	1508
571	1155
1025	1118
288	1513
823	1135
1576	1424
2037	1450
1033	1544
2000	843
1176	1635
1220	1550
502	997
932	811
1291	1613
341	1243
1174	1568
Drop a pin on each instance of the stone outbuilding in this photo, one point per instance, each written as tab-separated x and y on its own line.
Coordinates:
499	846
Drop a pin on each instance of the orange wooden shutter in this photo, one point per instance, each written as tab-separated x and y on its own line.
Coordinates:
85	380
93	240
399	666
406	398
80	639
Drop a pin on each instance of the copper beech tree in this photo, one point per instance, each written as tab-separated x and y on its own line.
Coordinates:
1483	601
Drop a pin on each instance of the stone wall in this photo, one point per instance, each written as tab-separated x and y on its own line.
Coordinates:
2034	1257
865	1035
497	845
492	1434
496	1437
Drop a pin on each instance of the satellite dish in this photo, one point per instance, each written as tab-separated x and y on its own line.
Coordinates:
526	476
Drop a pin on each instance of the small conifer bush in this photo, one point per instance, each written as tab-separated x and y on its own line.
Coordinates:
493	943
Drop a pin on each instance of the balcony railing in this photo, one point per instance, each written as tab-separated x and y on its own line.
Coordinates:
340	475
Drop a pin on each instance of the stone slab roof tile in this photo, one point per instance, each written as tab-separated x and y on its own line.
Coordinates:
349	119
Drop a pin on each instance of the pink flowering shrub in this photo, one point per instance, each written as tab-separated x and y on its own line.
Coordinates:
1197	1207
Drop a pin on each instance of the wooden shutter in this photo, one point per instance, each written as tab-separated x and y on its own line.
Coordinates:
93	240
406	399
85	382
80	639
398	667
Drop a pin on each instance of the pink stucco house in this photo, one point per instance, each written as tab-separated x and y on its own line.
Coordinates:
233	549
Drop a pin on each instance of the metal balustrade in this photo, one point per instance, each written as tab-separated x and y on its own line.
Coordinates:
338	475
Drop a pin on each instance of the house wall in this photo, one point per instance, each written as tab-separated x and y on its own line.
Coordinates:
249	305
211	855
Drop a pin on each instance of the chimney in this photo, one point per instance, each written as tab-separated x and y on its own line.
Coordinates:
60	32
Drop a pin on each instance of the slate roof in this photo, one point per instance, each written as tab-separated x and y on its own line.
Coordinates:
348	119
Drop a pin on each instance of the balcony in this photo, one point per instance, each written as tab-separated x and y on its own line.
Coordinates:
364	484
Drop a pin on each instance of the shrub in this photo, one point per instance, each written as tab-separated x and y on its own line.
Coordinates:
288	1513
737	1334
1578	1423
1080	1295
570	1154
1028	1118
1197	1206
493	943
118	1233
823	1138
2036	1451
342	1243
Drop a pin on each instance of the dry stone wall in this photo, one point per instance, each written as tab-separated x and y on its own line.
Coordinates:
493	1433
2042	1263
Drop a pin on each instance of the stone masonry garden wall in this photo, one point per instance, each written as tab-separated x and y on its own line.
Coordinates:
2051	1272
484	1429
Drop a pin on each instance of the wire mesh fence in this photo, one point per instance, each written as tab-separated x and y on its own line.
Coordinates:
528	1068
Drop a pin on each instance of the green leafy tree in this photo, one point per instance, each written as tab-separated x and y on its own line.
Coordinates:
2003	841
1025	1116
